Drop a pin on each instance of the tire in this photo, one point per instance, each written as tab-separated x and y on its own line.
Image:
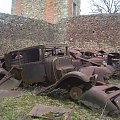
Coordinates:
75	93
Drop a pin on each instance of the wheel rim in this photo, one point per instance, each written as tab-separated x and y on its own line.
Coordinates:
75	93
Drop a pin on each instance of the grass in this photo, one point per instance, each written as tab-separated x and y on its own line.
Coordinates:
18	108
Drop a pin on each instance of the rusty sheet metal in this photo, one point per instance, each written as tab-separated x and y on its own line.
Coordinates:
98	60
110	68
103	73
75	53
42	110
8	83
3	71
85	62
87	70
103	96
117	101
10	93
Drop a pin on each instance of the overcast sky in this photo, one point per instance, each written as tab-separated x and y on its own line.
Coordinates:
5	6
85	7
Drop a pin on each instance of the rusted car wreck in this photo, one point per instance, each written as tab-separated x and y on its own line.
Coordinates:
51	67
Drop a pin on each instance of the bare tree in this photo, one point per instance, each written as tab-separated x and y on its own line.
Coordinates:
105	6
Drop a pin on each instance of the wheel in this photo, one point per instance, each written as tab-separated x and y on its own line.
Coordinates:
75	93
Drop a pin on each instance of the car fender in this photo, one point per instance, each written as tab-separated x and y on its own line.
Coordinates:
76	74
74	77
103	96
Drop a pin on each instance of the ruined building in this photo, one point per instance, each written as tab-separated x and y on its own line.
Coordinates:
51	11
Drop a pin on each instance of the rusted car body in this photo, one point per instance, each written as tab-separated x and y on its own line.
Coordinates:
105	97
100	96
92	66
114	60
88	56
43	64
103	73
96	59
51	67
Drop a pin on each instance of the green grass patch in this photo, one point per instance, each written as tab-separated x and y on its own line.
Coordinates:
18	108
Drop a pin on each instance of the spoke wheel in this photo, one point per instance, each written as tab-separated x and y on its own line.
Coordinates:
75	93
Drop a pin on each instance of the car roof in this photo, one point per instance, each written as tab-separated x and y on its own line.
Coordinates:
46	46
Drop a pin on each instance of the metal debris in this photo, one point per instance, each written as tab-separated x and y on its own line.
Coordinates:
104	73
8	82
43	111
103	96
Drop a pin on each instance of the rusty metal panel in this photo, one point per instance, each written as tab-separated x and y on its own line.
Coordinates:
75	53
16	72
3	71
103	73
33	72
8	83
63	65
103	96
117	101
40	110
98	60
87	71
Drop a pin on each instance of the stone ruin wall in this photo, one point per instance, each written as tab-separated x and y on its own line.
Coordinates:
18	32
85	32
92	33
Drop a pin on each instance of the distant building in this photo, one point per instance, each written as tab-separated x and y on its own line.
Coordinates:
49	10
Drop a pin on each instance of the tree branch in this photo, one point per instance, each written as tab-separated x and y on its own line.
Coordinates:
108	6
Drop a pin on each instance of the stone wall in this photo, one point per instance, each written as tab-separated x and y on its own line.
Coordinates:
17	32
64	9
33	9
13	8
28	8
61	9
48	10
51	11
93	32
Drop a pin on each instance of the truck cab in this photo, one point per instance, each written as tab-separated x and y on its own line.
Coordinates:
40	64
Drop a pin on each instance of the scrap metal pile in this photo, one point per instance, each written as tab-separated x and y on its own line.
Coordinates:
85	75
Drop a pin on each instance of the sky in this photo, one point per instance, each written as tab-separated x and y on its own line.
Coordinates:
5	6
85	7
